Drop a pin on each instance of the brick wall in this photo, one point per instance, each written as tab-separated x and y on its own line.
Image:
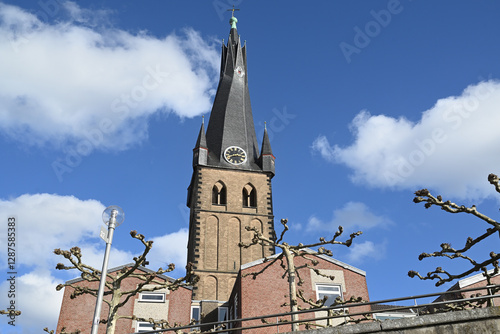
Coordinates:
478	321
483	282
269	290
78	313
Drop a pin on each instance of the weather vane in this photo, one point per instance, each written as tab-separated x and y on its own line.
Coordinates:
232	10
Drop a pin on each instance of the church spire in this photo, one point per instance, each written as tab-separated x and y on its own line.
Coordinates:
231	139
230	186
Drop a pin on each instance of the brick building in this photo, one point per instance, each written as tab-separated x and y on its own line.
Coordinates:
474	281
230	189
78	313
270	290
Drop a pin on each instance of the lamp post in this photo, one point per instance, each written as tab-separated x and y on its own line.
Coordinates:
112	216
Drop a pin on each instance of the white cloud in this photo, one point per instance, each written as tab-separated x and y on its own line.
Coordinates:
452	149
170	248
44	222
78	14
93	253
360	252
77	82
39	301
353	216
49	221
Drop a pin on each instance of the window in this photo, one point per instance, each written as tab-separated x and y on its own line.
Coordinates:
195	315
152	297
143	327
223	316
330	291
249	196
219	194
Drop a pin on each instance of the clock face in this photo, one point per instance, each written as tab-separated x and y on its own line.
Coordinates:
235	155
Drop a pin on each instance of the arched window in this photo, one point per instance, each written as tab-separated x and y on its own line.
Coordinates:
219	194
249	196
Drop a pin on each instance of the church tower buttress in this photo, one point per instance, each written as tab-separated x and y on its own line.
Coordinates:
231	184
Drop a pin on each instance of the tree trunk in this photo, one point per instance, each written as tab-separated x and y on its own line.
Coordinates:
112	316
292	287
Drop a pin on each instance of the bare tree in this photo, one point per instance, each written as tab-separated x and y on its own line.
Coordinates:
148	281
442	276
289	253
318	304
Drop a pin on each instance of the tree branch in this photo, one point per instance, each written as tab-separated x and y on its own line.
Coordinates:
442	276
290	252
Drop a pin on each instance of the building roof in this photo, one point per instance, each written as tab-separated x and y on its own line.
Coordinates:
266	144
201	142
312	252
463	283
390	308
115	269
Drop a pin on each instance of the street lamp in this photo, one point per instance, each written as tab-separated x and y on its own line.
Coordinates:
112	216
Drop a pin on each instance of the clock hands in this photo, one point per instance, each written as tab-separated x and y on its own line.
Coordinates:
235	155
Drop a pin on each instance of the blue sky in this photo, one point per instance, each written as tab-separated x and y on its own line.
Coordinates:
365	102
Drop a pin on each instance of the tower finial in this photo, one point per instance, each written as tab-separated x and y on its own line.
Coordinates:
265	125
233	20
232	10
202	119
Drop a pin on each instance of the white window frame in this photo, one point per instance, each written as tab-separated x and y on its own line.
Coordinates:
329	300
146	326
199	316
144	294
195	307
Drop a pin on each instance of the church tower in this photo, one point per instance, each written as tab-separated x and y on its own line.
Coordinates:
231	184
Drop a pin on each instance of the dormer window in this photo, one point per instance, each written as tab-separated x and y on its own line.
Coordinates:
249	196
219	194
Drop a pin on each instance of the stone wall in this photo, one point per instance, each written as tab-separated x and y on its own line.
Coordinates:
216	229
483	321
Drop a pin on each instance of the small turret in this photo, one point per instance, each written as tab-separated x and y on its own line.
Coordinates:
200	151
266	158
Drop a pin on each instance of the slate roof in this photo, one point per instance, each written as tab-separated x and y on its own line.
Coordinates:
231	120
201	142
266	145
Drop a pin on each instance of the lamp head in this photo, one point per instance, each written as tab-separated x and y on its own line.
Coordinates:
113	212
